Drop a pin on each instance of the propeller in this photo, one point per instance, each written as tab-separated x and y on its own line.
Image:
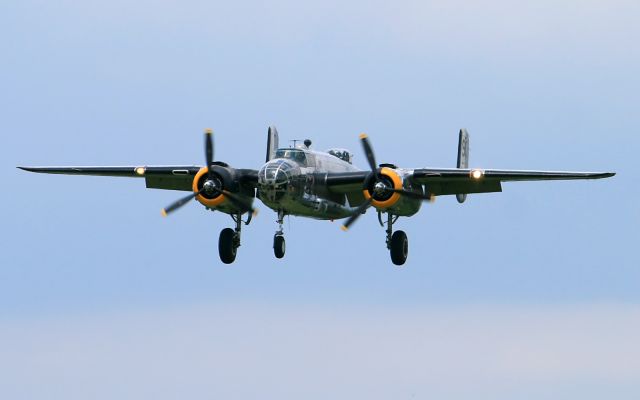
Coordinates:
371	159
239	202
208	151
179	203
368	151
211	186
356	214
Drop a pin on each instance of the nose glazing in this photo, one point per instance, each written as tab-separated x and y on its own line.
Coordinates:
274	178
275	174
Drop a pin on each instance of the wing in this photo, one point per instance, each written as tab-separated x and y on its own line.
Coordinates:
447	181
450	181
343	183
169	177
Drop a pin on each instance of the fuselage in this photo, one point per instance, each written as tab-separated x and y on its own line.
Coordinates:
288	182
293	183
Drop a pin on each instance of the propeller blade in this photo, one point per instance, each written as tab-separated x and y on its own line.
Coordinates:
368	151
174	206
413	195
356	214
208	149
239	202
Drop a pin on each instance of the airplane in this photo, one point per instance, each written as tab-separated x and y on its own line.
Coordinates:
300	181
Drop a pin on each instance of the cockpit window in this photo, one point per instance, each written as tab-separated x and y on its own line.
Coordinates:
292	154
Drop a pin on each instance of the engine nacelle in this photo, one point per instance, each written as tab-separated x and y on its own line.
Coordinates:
377	189
224	180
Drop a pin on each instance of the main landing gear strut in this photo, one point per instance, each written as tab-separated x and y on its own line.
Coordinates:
279	246
230	239
397	242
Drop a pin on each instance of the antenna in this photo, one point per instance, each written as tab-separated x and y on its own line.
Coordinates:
295	142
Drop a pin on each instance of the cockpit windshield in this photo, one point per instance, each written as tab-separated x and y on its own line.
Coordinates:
292	154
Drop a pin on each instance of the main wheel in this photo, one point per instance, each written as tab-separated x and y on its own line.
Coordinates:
278	246
399	247
227	246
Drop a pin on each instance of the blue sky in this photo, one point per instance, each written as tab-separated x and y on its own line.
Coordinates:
90	271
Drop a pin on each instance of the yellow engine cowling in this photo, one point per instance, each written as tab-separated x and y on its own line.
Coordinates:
394	179
210	202
392	202
231	197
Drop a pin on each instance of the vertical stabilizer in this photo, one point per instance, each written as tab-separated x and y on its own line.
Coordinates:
463	158
272	142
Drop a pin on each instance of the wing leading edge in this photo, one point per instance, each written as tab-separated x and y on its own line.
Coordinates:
168	177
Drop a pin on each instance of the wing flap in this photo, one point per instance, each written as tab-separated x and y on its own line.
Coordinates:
448	188
169	182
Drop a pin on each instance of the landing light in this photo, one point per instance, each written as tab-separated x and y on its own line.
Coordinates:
477	174
140	170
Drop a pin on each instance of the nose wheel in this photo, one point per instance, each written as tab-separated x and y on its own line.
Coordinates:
279	246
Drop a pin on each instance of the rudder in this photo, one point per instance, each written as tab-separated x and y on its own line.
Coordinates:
463	158
272	143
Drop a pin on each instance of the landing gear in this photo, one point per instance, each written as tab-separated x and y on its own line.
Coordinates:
229	240
279	246
399	247
397	242
228	245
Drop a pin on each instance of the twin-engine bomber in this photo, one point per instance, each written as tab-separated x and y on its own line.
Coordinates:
321	185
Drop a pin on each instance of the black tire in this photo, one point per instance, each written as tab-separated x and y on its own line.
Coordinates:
279	246
399	247
227	246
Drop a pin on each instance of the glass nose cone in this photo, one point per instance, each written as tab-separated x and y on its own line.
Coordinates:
274	178
275	173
